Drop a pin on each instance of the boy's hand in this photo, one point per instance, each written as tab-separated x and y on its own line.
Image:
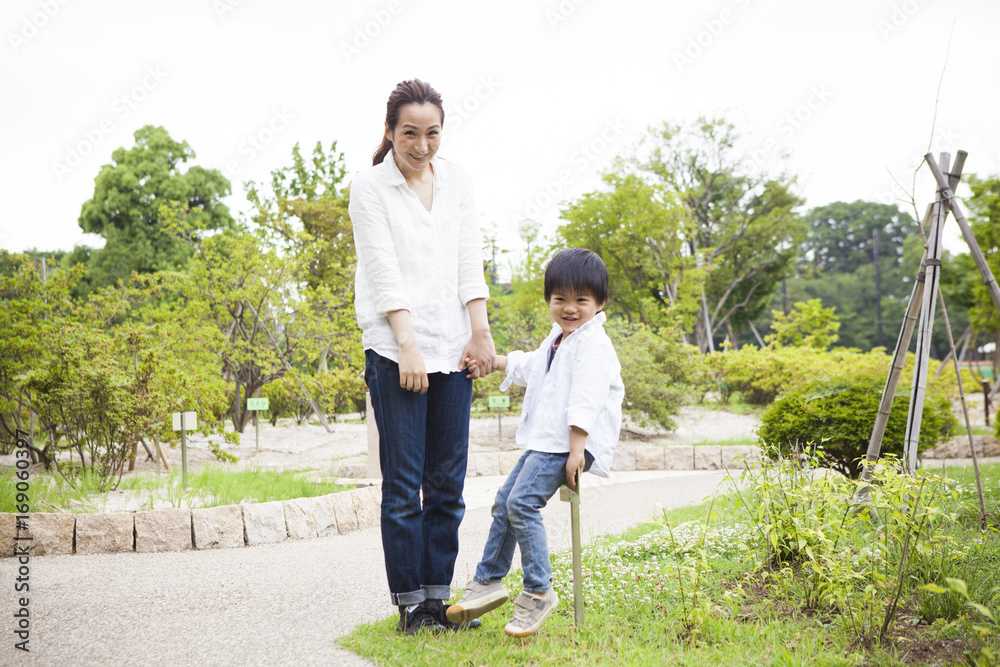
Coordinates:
480	349
574	467
470	364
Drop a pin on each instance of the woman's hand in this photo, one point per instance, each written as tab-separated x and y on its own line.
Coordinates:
412	372
480	356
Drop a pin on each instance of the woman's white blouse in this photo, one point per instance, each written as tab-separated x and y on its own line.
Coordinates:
427	262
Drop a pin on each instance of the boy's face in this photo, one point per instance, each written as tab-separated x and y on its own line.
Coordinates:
571	310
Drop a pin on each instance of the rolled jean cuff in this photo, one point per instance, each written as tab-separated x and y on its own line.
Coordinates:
437	592
406	599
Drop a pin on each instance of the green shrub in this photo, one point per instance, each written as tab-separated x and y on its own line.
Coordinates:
836	414
762	374
657	370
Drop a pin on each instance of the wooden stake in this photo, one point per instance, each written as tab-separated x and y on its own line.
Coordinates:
159	450
926	325
896	369
903	344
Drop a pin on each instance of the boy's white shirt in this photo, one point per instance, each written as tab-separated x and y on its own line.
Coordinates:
583	388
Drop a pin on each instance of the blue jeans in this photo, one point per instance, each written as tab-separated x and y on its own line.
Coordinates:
517	520
423	446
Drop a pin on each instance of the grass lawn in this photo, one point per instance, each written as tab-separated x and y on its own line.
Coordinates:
748	440
696	587
210	486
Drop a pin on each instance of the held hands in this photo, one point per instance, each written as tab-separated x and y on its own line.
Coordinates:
479	357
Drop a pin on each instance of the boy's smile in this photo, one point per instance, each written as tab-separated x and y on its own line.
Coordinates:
571	310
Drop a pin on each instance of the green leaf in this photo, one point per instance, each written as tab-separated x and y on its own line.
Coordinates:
958	586
934	588
982	610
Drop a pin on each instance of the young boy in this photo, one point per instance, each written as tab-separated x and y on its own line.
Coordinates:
570	421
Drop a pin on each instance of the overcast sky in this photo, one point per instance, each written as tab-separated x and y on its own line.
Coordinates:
540	95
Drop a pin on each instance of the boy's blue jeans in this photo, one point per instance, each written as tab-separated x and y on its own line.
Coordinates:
517	519
423	446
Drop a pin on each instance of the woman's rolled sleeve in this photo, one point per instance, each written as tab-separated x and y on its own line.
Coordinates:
376	249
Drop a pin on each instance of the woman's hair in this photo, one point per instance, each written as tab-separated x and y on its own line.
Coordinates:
413	91
578	270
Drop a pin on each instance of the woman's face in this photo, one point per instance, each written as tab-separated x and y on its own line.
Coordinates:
416	138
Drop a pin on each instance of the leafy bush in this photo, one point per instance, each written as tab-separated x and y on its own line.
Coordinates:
816	548
98	392
836	415
657	369
808	324
760	375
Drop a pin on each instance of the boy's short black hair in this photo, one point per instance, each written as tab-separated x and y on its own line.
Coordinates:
577	270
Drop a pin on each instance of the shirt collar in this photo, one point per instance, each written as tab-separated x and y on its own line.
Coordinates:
395	176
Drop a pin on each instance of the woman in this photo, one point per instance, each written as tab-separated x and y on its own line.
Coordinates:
420	299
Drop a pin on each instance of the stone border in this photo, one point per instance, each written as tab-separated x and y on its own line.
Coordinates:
628	457
172	529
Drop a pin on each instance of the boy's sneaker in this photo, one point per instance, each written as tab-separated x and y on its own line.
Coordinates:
477	599
530	611
421	619
438	608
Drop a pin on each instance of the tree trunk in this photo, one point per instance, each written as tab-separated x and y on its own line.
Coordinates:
732	336
703	327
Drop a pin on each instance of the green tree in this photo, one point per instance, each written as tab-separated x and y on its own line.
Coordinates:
638	228
741	228
33	313
837	265
984	214
808	324
304	213
519	317
126	204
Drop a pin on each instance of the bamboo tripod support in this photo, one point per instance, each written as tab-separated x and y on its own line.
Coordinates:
926	291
